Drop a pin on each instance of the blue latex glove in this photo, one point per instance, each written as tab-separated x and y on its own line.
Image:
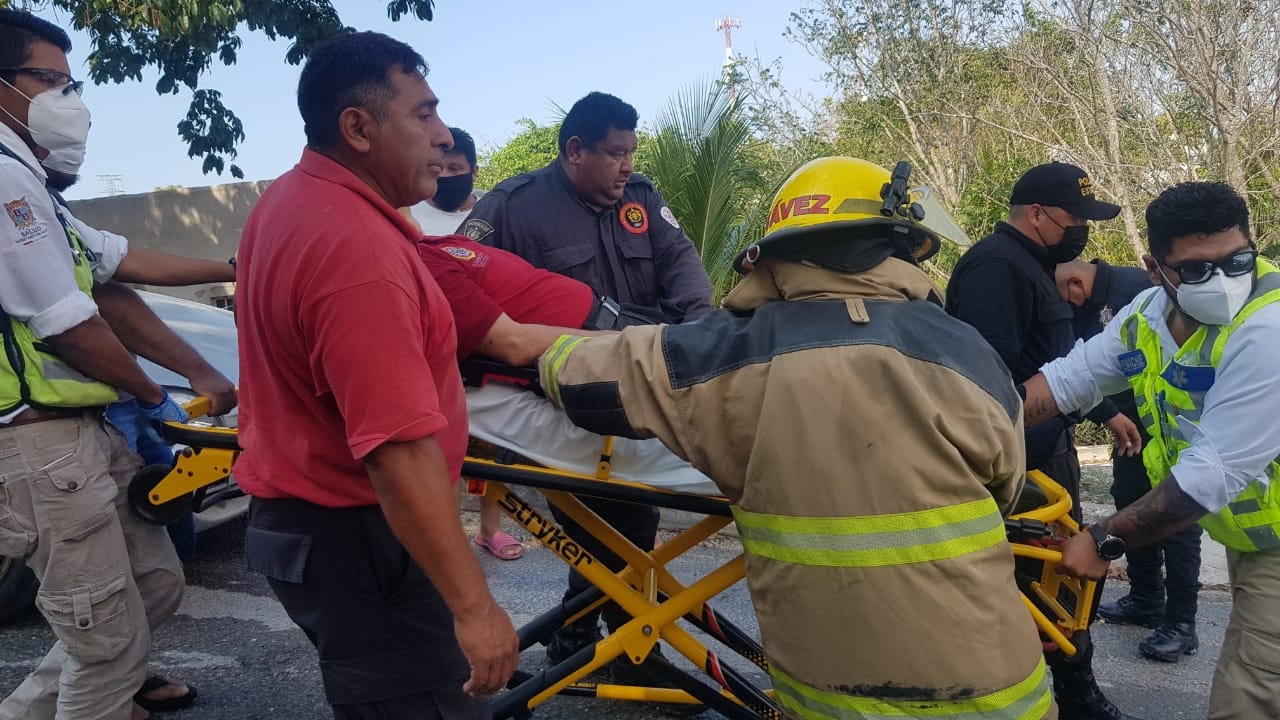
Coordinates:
142	435
166	411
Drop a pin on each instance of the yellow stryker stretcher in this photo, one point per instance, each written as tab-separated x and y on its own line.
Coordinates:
1061	607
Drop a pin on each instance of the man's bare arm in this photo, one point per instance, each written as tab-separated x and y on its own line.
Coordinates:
93	349
417	496
142	332
1157	515
1038	404
519	344
152	267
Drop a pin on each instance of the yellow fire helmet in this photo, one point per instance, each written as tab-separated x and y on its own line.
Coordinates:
850	214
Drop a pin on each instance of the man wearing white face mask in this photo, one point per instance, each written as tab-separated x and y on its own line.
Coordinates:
106	577
1199	353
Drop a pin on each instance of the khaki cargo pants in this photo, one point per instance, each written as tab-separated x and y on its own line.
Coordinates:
106	578
1246	684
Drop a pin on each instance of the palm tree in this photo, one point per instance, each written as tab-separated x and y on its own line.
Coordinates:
711	169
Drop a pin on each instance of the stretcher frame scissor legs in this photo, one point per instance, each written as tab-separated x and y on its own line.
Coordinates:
647	591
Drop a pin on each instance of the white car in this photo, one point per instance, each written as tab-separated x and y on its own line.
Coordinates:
212	332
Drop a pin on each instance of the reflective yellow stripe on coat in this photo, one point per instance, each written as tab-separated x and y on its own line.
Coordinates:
885	541
1027	700
873	540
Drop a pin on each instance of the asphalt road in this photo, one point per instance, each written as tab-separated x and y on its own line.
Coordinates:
233	641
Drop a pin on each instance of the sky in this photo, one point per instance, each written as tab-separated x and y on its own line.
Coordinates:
492	62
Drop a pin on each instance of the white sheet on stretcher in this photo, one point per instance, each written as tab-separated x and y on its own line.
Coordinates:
522	422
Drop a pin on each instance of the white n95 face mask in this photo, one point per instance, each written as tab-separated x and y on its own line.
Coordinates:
1216	300
58	121
65	160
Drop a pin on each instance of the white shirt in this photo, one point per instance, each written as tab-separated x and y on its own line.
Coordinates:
436	222
37	263
1239	431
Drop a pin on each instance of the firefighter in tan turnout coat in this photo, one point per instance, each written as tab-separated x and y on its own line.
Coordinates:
869	444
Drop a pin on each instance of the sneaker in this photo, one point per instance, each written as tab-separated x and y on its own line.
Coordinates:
1170	642
1129	610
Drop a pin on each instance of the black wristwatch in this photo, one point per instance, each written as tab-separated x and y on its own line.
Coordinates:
1110	547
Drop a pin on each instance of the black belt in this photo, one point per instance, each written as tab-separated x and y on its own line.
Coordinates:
603	315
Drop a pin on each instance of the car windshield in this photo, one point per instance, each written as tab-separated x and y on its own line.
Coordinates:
210	330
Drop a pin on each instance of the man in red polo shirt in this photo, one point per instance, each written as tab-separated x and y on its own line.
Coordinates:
352	418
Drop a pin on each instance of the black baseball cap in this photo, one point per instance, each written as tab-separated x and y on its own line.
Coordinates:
1061	185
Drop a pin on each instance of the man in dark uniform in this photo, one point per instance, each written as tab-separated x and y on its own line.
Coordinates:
1004	286
1099	292
587	215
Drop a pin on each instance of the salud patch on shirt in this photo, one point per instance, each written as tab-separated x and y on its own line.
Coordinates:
24	219
634	218
669	216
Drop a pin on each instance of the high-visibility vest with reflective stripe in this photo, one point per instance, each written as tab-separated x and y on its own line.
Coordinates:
31	373
868	541
1170	396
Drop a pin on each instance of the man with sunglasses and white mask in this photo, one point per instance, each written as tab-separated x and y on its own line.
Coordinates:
106	577
1199	353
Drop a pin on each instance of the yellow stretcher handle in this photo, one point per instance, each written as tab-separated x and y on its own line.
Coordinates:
197	406
1058	505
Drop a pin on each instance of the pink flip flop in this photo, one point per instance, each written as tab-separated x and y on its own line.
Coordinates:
502	546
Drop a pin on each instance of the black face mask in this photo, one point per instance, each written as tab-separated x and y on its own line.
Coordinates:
453	191
1074	240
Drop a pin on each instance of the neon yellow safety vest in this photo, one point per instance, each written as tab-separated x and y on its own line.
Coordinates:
1170	397
31	373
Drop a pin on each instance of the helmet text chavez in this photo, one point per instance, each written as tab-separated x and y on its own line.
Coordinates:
799	205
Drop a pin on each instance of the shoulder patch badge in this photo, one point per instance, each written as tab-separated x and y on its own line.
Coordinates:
459	252
634	218
24	219
477	229
669	217
20	213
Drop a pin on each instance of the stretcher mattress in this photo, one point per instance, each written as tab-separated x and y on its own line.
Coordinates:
525	423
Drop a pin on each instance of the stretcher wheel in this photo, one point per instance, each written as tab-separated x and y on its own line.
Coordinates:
140	497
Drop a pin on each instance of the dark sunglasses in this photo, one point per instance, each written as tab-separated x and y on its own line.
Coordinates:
52	78
1198	271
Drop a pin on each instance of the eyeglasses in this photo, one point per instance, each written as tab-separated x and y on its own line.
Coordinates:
1198	271
52	78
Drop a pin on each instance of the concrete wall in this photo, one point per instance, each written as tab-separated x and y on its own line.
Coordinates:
202	222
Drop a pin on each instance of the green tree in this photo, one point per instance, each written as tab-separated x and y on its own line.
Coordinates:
182	39
531	148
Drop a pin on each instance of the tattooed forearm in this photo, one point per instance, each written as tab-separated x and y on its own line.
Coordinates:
1038	404
1157	515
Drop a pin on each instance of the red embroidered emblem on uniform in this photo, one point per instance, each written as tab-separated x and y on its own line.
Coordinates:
460	253
634	218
